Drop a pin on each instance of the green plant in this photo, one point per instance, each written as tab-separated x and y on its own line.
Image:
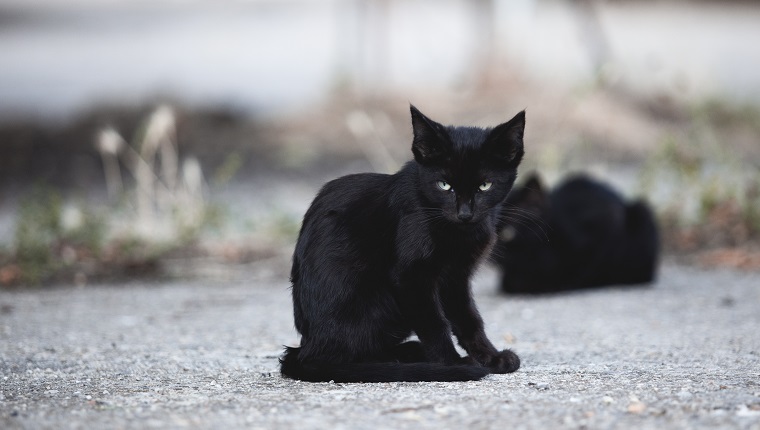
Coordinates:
87	230
285	226
751	210
705	191
38	230
162	208
229	168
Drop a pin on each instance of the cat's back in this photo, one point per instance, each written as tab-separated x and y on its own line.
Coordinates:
351	195
582	190
586	212
349	211
585	199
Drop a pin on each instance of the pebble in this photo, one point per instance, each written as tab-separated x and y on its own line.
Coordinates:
636	407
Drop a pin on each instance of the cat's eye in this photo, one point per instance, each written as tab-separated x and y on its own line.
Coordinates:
445	186
485	186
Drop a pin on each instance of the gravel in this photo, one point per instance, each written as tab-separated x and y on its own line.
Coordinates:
684	353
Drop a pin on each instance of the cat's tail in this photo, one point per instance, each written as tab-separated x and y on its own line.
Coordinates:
643	243
292	367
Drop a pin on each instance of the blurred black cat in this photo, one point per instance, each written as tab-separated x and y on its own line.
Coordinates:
580	235
380	257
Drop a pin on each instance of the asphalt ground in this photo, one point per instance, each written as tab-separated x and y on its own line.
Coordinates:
202	353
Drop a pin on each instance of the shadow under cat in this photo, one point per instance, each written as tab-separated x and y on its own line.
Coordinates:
581	234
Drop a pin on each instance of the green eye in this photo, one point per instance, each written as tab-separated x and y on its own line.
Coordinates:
485	186
445	186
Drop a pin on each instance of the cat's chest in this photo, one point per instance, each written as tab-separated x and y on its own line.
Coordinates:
442	243
463	245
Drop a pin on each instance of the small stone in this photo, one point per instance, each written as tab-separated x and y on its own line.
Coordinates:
636	408
684	395
747	411
411	416
539	385
442	410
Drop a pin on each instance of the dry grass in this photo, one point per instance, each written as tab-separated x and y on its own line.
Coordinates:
161	207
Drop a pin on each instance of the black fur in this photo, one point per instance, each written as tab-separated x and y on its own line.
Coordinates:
580	235
382	257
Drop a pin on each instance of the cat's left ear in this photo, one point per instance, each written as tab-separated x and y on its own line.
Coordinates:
430	142
505	141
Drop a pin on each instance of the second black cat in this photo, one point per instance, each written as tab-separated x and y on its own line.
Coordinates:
582	234
382	257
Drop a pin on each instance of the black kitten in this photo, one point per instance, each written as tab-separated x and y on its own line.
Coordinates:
382	257
581	235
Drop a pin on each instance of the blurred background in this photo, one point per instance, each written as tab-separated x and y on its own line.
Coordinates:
187	138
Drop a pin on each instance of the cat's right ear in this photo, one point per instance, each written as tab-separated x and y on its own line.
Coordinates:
533	182
505	141
428	145
533	190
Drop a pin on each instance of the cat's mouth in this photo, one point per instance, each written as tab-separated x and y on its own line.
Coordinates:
463	221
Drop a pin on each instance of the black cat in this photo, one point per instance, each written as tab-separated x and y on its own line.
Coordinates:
580	235
380	257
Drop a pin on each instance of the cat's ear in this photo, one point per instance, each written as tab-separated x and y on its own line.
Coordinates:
533	182
533	192
505	141
429	143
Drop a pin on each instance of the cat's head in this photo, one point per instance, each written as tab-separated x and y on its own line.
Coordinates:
524	212
531	196
467	172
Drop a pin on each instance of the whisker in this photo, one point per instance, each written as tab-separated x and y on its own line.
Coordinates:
497	255
518	210
543	236
542	225
528	216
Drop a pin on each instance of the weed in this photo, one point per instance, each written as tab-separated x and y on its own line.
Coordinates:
37	233
163	208
285	226
229	168
705	195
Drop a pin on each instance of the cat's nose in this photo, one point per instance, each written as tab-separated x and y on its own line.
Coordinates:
464	213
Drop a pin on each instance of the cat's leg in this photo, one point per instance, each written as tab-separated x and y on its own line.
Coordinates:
422	306
410	351
413	352
468	327
414	285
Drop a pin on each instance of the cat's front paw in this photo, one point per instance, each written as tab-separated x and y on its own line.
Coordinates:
505	361
469	361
